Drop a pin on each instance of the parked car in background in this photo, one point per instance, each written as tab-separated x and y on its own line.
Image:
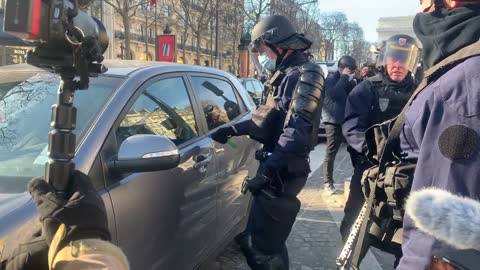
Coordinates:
328	66
254	88
134	120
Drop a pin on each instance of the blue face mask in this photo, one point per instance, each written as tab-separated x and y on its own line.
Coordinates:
267	63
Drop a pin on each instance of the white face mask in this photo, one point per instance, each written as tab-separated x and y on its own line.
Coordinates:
267	63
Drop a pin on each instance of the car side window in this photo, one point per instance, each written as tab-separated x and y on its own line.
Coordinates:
250	87
217	99
164	108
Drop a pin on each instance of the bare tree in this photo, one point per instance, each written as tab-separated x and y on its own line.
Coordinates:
196	15
148	17
126	9
254	10
334	27
354	43
288	8
308	18
233	20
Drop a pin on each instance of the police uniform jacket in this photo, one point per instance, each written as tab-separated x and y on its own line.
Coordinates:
372	103
291	149
444	122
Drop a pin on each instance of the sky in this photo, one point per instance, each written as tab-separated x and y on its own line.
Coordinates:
367	12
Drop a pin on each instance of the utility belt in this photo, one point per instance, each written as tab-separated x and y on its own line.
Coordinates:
296	166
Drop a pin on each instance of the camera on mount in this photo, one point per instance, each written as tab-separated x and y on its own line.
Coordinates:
64	37
69	42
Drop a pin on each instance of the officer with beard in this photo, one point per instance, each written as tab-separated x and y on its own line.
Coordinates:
441	133
375	100
287	125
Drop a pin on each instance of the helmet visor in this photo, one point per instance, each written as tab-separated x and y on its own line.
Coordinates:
263	64
407	55
256	62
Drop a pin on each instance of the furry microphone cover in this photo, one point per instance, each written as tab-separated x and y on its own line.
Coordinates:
450	218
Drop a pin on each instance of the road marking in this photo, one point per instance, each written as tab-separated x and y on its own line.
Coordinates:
316	220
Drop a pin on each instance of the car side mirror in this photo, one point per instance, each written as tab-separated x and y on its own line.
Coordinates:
145	153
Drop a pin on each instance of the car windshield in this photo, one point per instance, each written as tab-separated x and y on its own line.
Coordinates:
26	99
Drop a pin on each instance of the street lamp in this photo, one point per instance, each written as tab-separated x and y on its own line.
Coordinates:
167	30
244	55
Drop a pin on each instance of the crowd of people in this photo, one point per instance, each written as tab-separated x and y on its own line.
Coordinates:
405	132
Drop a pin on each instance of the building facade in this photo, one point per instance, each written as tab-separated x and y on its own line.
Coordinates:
389	26
142	36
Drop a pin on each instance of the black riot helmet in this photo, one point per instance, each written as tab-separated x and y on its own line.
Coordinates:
277	32
400	48
347	62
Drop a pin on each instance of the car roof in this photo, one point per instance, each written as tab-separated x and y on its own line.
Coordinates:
125	68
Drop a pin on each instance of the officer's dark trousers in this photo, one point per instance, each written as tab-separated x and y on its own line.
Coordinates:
271	220
334	140
356	198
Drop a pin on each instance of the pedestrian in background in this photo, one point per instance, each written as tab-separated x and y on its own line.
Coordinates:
337	87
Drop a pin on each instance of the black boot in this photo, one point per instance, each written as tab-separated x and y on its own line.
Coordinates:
260	261
244	240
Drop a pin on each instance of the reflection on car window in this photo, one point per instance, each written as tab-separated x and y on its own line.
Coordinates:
25	108
164	108
250	87
258	88
217	99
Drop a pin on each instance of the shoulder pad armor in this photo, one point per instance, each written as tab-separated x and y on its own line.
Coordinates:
308	97
308	93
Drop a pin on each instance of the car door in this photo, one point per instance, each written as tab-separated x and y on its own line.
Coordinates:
223	106
164	219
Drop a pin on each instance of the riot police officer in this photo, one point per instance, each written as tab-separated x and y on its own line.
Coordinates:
287	125
375	100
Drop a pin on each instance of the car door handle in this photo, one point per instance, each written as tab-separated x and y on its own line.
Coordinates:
202	161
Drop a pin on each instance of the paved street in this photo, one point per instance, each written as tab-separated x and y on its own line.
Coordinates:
315	239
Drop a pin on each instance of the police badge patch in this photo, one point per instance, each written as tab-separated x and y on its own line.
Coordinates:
383	104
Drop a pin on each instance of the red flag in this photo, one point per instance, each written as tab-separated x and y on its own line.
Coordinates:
153	2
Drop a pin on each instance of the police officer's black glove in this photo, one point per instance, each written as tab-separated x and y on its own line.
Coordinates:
256	184
30	254
223	134
83	211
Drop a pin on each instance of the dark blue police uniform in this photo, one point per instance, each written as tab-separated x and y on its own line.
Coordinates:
270	220
442	133
373	101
